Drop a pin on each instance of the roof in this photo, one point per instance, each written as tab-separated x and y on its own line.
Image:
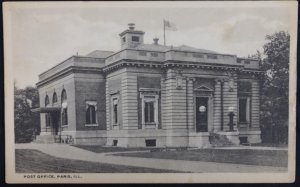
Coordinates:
99	54
152	47
162	48
131	31
192	49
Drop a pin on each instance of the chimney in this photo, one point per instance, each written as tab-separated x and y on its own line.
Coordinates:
131	26
155	41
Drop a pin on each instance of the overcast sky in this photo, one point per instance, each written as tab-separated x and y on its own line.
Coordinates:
43	37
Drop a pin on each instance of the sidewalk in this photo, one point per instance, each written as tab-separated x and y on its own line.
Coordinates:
70	152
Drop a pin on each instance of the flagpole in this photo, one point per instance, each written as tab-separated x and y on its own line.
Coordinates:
164	34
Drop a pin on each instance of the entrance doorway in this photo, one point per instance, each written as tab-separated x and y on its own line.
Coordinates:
202	114
55	122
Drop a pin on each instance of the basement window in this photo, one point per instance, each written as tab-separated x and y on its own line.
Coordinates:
115	142
150	143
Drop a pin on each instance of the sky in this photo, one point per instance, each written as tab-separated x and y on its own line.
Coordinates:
42	36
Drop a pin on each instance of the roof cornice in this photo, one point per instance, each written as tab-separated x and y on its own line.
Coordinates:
69	70
170	64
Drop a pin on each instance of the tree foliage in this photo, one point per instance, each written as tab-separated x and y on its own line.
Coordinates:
26	122
275	88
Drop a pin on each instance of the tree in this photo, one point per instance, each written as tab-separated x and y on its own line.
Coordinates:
26	122
275	88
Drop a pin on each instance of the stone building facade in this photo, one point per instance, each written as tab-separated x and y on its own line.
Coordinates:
150	95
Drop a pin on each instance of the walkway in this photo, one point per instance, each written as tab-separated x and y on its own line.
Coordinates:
70	152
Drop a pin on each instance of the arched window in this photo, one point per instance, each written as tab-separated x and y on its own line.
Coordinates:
47	100
54	98
64	104
47	116
63	96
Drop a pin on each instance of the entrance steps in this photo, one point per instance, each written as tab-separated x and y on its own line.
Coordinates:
219	140
44	139
54	139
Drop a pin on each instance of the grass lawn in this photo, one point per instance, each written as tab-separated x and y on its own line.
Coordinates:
101	149
270	145
33	161
246	156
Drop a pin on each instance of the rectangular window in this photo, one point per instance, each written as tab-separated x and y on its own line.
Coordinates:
90	115
115	111
135	39
142	53
197	55
154	54
212	56
123	39
149	112
243	110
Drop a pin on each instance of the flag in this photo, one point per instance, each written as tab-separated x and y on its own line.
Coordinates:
169	25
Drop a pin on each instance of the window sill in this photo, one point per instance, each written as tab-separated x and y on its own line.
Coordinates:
64	125
243	123
150	124
91	125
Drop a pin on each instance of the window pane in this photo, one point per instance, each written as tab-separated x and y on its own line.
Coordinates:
93	114
116	113
146	112
242	110
65	117
47	120
135	39
149	112
87	116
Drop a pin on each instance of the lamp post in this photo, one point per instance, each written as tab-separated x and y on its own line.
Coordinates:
231	116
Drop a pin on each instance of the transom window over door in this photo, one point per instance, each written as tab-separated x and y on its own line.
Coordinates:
90	113
244	110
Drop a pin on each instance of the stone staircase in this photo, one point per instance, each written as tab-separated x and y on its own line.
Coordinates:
54	139
218	140
44	139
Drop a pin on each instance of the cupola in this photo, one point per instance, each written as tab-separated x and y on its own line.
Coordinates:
131	38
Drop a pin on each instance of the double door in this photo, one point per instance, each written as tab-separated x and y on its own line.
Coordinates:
202	110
